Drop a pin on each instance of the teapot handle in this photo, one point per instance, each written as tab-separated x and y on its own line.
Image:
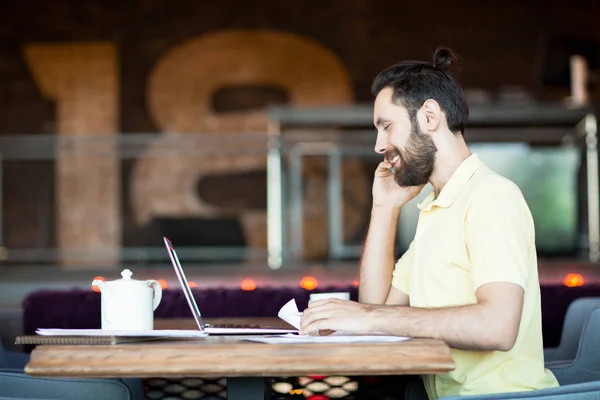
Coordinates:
157	293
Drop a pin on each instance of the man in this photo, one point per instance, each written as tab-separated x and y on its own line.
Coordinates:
469	277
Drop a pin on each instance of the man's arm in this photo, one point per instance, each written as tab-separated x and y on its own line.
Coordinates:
377	261
491	324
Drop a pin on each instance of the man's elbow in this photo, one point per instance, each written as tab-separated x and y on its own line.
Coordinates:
506	344
501	306
505	340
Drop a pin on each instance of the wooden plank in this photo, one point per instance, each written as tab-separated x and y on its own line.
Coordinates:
232	357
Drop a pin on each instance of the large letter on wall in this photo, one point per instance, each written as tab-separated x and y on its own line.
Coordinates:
83	81
180	93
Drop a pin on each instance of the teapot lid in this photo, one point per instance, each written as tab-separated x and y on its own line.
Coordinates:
126	279
126	274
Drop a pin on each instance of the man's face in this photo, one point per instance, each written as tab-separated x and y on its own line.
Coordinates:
410	150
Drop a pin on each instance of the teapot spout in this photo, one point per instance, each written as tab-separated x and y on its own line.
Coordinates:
99	283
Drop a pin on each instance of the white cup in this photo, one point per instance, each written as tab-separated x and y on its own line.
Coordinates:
332	295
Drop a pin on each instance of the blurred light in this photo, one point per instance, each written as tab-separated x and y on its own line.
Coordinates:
96	288
309	283
248	284
355	283
296	391
192	284
3	253
163	284
282	387
573	280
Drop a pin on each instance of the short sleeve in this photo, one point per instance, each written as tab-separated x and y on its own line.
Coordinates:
500	236
401	273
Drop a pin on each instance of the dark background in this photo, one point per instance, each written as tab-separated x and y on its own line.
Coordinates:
501	44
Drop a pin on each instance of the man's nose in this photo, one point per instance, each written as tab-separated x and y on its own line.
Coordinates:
381	145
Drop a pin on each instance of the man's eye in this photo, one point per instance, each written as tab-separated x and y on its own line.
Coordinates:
385	128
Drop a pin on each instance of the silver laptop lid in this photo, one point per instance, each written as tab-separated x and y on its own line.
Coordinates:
184	284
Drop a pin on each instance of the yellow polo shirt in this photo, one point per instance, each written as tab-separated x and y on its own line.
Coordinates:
479	230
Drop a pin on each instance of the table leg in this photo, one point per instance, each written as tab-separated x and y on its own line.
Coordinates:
248	389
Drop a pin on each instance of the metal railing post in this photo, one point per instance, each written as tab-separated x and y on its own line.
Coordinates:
335	211
296	203
275	200
591	143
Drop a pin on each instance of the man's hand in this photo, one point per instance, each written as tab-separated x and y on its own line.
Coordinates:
335	315
386	192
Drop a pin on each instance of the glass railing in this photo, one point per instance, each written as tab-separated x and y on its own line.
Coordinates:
85	201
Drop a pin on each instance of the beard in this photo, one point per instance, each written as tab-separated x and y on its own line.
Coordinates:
416	160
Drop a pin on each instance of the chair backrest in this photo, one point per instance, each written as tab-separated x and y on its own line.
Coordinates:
17	385
12	360
3	357
575	318
590	338
586	366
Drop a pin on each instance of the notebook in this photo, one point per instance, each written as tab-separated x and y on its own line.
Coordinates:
214	329
82	340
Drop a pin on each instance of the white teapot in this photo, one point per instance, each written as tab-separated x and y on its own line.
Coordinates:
128	304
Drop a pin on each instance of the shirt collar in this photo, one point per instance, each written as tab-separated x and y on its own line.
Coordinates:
457	181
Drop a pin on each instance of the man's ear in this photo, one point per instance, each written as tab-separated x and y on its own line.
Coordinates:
431	115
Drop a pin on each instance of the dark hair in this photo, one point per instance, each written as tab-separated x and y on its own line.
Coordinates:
414	82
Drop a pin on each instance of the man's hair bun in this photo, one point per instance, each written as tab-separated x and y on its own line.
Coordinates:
444	58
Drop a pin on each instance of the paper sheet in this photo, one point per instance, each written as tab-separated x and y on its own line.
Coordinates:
290	314
176	333
335	338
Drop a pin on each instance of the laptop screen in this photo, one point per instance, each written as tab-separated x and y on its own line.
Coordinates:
184	284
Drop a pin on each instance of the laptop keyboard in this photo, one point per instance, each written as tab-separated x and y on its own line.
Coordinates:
242	326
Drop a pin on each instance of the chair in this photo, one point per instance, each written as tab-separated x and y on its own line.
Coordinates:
586	365
17	385
575	318
12	359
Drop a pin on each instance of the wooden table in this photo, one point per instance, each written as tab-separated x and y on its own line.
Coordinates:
245	364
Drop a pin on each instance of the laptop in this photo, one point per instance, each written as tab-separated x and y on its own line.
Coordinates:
215	329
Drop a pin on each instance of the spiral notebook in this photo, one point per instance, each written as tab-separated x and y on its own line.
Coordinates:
82	340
